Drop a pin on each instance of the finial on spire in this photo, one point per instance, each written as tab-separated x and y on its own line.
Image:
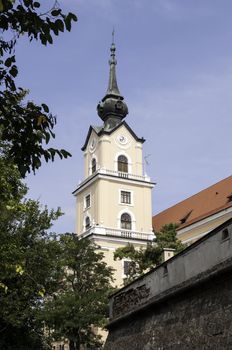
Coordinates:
113	36
113	86
112	108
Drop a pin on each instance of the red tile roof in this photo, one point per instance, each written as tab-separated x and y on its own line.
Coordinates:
199	206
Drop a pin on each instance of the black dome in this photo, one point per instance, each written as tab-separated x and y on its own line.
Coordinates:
112	105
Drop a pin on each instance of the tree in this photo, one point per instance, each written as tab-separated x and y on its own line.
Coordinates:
29	257
143	260
82	302
25	126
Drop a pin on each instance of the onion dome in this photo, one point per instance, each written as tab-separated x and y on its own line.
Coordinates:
112	108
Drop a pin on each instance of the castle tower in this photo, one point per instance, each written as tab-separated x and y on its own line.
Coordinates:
114	199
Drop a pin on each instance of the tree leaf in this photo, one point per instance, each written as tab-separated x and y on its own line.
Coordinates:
13	71
55	12
41	292
2	285
36	4
19	270
45	107
59	24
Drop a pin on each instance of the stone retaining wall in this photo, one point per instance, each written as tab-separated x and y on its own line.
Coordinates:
186	303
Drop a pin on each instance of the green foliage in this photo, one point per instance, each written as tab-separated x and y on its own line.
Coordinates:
142	260
29	262
61	283
82	301
27	129
25	126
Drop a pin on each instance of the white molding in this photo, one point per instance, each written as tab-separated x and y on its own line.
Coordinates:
100	175
123	146
90	164
123	153
117	234
87	214
199	223
133	220
132	197
119	240
84	204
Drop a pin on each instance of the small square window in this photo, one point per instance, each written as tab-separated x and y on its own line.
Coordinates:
128	267
125	197
87	201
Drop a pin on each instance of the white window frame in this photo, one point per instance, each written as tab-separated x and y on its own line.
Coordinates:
85	200
87	214
123	153
133	221
131	195
90	164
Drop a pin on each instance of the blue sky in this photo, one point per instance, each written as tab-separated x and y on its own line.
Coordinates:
175	72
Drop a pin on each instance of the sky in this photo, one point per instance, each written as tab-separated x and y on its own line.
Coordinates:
175	72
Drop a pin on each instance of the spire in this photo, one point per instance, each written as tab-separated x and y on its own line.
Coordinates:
112	86
112	109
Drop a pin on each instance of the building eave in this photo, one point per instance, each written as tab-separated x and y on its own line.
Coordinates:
99	175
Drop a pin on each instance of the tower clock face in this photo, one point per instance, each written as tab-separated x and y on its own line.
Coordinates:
122	139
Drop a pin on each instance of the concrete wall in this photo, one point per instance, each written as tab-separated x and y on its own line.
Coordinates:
186	303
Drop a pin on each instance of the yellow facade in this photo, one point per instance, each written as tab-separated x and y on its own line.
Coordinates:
99	195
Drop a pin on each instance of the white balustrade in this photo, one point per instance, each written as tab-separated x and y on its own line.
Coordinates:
118	233
120	174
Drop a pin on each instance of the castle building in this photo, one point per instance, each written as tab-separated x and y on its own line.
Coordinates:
199	214
113	202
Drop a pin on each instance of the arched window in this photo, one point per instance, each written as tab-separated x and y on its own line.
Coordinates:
87	223
94	165
126	221
123	164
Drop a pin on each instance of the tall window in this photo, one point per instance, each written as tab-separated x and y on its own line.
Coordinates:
126	221
94	165
126	197
87	223
87	201
123	164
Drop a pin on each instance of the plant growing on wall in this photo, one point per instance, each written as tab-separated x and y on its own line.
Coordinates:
142	260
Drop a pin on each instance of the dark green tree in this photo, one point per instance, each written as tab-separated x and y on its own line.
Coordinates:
26	126
143	260
82	301
29	263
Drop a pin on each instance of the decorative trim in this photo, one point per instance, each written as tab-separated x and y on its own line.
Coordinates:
90	164
123	153
87	214
94	177
104	132
84	204
215	216
133	221
132	197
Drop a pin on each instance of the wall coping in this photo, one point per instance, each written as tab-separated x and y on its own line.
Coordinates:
202	260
